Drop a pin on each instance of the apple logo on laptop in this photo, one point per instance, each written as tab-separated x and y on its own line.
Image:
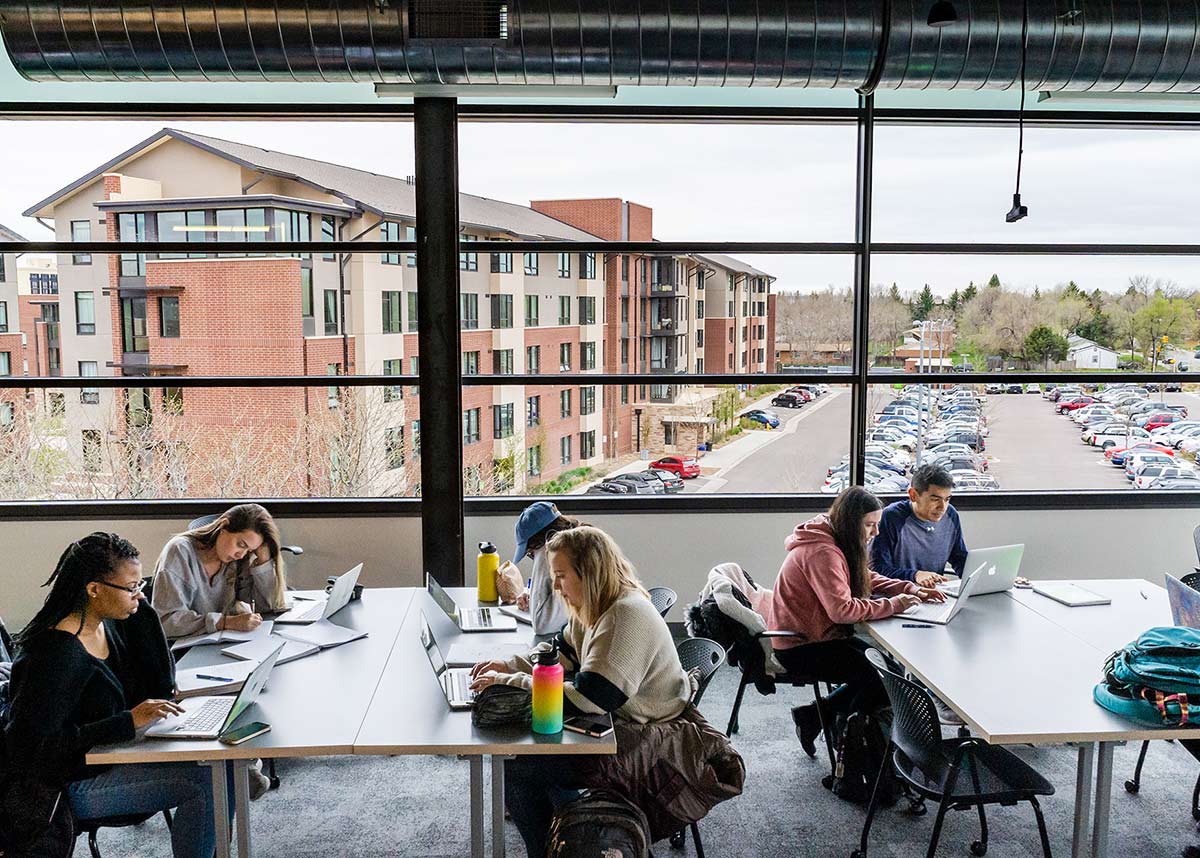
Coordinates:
992	569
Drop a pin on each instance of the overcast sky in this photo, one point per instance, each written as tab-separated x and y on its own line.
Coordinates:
757	183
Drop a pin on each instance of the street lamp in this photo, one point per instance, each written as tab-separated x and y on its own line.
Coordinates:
637	436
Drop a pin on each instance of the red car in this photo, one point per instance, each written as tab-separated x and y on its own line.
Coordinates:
1074	404
802	392
689	469
1164	419
1113	454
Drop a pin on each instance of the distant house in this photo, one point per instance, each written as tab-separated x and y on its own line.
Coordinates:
1086	354
934	353
820	354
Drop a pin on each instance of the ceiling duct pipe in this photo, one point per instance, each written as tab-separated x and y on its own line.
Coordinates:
1074	45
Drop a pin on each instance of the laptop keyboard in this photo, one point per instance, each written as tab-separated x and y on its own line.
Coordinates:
313	613
458	685
480	616
208	717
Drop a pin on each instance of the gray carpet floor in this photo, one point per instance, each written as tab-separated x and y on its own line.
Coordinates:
418	806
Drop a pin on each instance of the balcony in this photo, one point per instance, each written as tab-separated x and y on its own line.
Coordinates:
663	328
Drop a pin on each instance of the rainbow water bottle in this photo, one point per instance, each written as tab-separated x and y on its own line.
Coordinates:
486	565
547	691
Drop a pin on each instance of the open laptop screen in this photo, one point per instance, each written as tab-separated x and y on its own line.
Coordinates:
441	597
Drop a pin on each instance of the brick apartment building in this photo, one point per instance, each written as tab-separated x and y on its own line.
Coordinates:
208	313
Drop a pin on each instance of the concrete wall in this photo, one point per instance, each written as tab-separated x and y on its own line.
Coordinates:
669	550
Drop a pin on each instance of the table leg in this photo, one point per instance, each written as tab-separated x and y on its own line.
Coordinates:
1083	800
241	805
476	806
220	805
497	806
1104	765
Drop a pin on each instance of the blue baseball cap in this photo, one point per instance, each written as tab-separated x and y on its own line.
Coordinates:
534	519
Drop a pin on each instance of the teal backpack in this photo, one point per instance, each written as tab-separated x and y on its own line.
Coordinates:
1153	679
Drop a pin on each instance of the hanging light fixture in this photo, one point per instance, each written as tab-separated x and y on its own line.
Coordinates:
942	14
1019	211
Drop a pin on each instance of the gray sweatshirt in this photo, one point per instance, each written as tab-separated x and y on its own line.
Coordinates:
546	609
189	603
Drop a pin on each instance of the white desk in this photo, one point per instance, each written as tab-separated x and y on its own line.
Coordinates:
1019	668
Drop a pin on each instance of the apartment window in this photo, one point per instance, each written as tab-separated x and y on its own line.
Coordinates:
81	230
134	336
624	350
389	232
564	403
731	335
533	359
470	363
89	395
699	309
587	311
587	266
533	411
328	233
395	392
4	318
391	312
331	312
306	293
730	310
502	311
414	369
564	309
413	317
699	365
172	400
564	450
246	225
137	407
132	227
416	439
624	269
168	317
502	263
669	433
471	426
468	261
502	421
531	264
502	362
5	363
587	444
531	311
564	265
587	400
85	314
186	226
332	393
289	226
393	446
745	309
700	280
533	461
624	394
91	449
410	234
468	311
699	339
564	357
587	355
624	309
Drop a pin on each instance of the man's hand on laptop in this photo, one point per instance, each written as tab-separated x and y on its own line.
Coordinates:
931	594
928	579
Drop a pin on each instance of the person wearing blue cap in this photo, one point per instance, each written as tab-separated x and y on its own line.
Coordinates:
538	522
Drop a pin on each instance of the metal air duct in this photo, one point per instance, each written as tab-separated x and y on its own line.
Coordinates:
1074	45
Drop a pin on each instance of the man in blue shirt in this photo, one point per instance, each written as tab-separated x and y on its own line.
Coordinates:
917	537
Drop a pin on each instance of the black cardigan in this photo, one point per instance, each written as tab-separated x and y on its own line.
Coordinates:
65	701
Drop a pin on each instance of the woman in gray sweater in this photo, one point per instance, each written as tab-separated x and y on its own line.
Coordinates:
221	575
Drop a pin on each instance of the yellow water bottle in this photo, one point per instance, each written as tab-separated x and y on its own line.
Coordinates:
486	565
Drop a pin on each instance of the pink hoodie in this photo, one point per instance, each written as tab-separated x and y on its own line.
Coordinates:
812	593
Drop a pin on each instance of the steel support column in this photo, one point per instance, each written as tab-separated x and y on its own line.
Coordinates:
436	131
862	287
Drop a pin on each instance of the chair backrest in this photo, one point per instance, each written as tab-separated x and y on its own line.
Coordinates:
705	657
1196	540
916	730
1192	579
662	598
203	520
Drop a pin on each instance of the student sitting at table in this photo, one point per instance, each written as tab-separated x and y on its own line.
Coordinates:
620	658
538	522
919	536
91	669
221	575
824	587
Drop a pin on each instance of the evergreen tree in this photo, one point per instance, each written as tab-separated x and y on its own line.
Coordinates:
969	292
1042	345
894	293
1099	329
994	283
922	307
953	301
1037	293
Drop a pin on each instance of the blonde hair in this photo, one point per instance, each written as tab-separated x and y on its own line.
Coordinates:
606	572
245	516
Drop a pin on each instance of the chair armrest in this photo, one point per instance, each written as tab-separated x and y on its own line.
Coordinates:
292	549
778	634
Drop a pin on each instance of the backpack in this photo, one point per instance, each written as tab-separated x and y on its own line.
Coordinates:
1154	679
861	755
599	823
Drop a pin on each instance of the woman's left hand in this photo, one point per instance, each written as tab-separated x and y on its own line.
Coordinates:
484	679
931	594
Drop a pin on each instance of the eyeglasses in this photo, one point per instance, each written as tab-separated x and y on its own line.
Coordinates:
135	590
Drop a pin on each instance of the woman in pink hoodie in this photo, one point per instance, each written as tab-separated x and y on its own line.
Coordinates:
824	587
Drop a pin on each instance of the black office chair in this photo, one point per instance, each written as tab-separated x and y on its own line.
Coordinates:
1192	579
959	773
663	598
91	827
209	519
705	657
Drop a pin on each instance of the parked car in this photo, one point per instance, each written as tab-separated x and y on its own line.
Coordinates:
1155	420
764	418
1136	461
788	400
671	483
1178	484
610	489
687	468
1113	435
969	481
1014	388
803	392
1067	406
1151	473
1033	388
1117	455
993	387
639	484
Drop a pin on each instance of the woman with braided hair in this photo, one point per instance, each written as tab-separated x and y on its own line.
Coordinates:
93	669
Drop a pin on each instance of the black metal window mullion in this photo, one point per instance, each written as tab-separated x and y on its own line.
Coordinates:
860	362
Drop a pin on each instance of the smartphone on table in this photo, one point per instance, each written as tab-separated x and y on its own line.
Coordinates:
591	725
244	733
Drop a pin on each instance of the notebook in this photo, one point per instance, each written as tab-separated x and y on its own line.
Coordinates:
470	654
221	678
517	614
226	636
257	650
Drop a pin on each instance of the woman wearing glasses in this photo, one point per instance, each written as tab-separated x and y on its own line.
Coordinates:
221	575
92	669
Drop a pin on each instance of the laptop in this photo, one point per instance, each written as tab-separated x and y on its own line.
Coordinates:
941	613
209	717
323	609
1001	565
469	619
455	681
1185	603
1069	594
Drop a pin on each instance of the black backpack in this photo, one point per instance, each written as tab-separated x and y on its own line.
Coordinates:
861	754
599	824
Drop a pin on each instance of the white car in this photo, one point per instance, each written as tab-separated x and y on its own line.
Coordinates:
1082	415
1150	473
1173	433
1114	435
1190	445
1134	463
968	481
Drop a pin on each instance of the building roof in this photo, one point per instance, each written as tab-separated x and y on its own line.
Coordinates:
7	234
386	196
732	264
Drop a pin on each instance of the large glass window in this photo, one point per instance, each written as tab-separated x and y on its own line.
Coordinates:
134	334
468	311
81	230
85	313
168	313
132	227
391	312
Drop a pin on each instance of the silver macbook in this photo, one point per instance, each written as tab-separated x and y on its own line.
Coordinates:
455	681
1000	567
209	717
323	609
941	613
469	619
